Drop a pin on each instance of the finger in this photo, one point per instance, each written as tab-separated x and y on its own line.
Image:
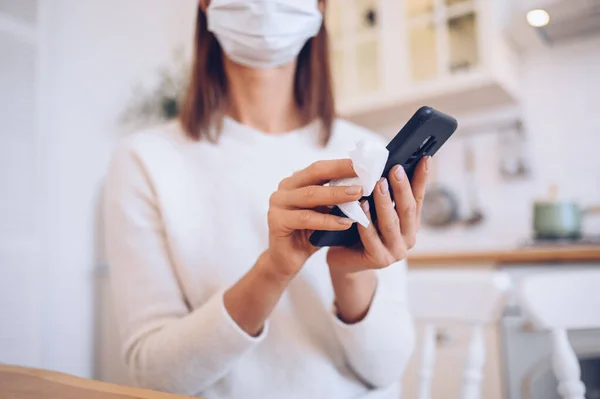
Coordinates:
406	205
419	183
305	219
387	218
371	241
319	173
315	196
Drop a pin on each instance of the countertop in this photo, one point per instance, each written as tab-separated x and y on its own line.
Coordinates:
25	383
492	257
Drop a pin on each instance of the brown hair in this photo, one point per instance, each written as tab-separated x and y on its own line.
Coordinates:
205	102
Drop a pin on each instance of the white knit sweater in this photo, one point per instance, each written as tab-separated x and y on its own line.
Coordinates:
184	221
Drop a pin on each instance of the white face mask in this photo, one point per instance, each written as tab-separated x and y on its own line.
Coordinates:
263	33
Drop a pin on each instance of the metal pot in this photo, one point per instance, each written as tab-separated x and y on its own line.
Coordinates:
558	219
440	206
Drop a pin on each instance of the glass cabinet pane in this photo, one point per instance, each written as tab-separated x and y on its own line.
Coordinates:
463	43
423	52
364	16
418	7
367	54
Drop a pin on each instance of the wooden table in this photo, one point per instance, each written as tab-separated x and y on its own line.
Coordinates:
494	257
24	383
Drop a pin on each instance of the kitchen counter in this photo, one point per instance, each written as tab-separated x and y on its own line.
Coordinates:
24	383
490	258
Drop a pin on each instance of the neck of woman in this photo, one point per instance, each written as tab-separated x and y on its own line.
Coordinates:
263	98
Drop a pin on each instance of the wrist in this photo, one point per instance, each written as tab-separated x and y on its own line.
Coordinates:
348	283
342	274
354	292
273	270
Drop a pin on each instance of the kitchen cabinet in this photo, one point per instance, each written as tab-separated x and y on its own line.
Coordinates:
391	56
452	344
356	52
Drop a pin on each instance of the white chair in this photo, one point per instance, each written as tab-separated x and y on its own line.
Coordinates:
470	297
561	301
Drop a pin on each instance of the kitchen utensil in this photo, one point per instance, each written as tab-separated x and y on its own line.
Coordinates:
474	215
440	206
512	143
555	219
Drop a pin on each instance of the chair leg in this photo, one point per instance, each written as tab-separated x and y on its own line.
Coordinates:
427	362
566	367
473	374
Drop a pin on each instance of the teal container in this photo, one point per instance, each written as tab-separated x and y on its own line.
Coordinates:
556	220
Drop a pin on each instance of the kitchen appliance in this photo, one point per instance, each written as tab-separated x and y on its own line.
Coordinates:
558	219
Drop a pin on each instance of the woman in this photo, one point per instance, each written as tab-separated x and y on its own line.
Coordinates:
218	292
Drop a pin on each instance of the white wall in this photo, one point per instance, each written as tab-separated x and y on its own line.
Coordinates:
93	54
19	251
560	105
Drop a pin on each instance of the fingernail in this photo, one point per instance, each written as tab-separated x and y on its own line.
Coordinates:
427	163
365	207
383	186
353	190
399	173
344	221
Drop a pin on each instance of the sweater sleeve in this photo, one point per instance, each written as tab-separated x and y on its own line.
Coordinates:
379	346
166	346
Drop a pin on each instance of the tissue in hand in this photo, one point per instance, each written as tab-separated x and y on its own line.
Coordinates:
368	160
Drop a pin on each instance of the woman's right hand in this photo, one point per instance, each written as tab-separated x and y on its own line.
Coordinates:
296	210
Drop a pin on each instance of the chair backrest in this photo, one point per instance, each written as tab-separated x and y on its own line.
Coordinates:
560	301
471	297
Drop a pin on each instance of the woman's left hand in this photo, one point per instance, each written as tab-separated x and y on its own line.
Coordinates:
389	239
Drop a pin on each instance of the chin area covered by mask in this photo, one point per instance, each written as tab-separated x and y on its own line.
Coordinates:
263	33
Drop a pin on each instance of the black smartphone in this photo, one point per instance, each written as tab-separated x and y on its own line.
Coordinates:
424	134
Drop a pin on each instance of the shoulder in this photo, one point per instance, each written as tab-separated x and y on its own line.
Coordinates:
346	134
149	155
156	148
150	142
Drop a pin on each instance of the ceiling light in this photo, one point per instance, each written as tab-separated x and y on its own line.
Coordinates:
538	18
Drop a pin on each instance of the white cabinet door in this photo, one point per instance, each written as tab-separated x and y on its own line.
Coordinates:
356	55
390	57
20	314
443	38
